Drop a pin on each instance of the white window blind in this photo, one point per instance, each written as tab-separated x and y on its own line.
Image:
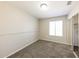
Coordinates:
56	28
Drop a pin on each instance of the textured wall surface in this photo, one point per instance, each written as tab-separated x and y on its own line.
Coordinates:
44	30
17	29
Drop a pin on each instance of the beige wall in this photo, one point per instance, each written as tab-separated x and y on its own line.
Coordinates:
78	29
17	29
69	31
44	30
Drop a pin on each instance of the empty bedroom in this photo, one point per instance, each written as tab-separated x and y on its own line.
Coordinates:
39	29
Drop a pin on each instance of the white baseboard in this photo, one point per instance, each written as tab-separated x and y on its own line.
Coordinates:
20	48
55	41
75	54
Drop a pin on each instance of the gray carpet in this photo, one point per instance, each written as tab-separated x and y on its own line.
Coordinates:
45	49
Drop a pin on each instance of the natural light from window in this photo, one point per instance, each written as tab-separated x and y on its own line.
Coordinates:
56	28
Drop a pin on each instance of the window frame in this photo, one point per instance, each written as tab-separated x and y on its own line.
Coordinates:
55	28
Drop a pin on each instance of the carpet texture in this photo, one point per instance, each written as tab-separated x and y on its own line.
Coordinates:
45	49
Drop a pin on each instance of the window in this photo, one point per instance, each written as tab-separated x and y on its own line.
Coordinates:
56	28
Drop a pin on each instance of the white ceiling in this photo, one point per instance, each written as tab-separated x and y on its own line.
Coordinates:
55	8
